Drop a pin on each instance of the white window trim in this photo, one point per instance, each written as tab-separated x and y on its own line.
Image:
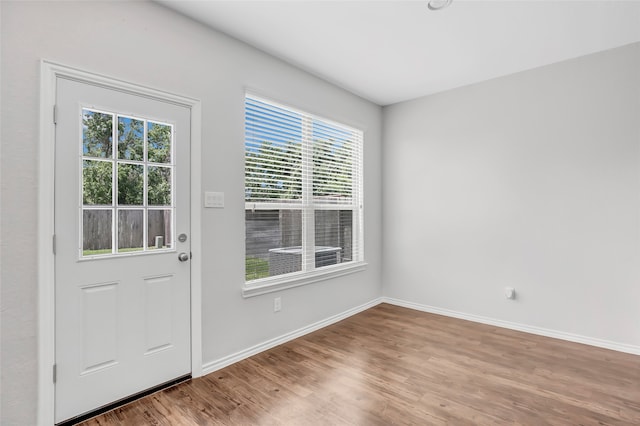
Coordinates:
305	276
297	279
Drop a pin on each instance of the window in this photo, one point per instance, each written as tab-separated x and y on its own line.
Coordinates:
127	179
303	194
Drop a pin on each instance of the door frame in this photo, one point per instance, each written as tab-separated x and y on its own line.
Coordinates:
49	72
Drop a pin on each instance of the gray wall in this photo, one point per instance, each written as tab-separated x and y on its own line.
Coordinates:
145	43
531	181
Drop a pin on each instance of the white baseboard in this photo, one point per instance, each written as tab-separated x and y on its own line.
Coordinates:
220	363
217	364
620	347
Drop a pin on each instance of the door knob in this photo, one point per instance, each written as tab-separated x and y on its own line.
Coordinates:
183	257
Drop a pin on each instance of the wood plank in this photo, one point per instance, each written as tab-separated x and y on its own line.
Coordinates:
392	365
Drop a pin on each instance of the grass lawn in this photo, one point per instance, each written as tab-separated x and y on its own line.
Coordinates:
256	268
108	251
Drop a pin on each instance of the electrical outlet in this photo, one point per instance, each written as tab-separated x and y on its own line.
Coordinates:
277	304
510	293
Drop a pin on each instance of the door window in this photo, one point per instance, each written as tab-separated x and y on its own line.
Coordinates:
127	181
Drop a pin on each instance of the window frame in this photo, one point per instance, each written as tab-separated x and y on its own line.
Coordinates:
115	207
309	273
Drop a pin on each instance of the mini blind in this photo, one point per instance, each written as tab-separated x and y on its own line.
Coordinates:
273	153
303	191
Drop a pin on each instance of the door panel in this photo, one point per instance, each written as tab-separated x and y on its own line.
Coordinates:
158	313
99	341
121	197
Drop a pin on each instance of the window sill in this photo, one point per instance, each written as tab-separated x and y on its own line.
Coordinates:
297	279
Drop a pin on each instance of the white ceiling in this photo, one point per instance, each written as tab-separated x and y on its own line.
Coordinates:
391	51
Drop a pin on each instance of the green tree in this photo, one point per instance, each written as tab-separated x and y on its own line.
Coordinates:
159	186
130	139
98	142
274	171
130	184
159	147
97	134
332	168
96	182
159	151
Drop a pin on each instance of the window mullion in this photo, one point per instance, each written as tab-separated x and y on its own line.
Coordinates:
145	185
114	184
308	219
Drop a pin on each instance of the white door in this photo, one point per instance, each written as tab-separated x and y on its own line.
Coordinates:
122	278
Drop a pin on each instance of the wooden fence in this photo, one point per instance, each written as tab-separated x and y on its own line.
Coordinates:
268	229
96	228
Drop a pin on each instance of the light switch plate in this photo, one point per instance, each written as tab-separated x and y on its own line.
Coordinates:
214	200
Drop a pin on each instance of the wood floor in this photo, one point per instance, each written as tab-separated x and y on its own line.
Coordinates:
390	365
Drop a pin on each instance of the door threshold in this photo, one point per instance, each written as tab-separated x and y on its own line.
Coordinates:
124	401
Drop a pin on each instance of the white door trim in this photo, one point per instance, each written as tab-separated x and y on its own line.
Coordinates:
49	72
